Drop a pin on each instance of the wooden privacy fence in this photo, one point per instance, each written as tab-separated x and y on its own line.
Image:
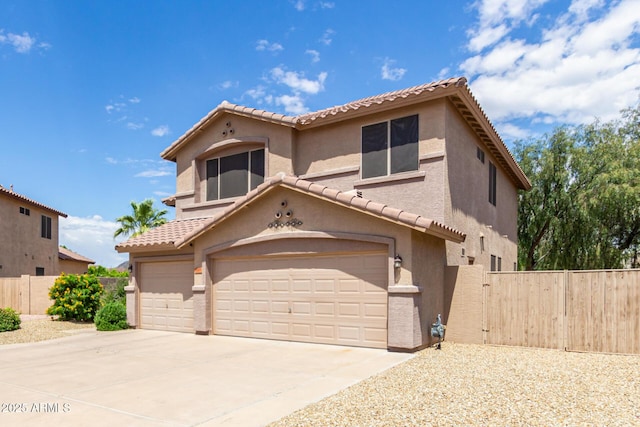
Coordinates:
592	311
26	294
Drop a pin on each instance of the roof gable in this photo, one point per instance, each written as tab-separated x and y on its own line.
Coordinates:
178	234
454	89
12	194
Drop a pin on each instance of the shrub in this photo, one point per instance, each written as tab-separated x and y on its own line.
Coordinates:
112	317
76	297
9	320
116	294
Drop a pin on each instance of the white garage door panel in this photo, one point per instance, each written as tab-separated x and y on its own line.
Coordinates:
333	300
166	296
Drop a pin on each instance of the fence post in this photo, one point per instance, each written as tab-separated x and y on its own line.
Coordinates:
485	322
565	329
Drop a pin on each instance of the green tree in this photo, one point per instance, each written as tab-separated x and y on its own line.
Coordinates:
583	211
144	217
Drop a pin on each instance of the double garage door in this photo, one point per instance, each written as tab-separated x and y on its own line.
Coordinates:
322	299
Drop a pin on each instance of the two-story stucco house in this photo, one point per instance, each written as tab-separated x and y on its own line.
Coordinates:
332	227
29	236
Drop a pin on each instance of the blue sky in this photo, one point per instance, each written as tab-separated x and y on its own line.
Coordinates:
92	91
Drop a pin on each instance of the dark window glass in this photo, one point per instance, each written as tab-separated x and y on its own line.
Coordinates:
212	179
25	211
234	175
46	227
493	263
374	150
257	168
39	271
404	144
492	183
499	264
480	154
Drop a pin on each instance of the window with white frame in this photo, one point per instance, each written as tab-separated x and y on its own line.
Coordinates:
234	175
390	147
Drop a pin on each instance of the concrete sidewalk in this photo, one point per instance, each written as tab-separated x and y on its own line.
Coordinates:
151	378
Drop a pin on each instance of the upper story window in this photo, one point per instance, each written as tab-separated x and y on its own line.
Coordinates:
390	147
234	175
25	211
46	227
492	184
480	154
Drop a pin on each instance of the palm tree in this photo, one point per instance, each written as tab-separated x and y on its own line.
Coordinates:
144	218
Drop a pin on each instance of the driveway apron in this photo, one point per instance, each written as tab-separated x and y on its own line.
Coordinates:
153	378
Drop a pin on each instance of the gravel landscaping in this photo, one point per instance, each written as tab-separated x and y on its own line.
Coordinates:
459	385
41	328
485	385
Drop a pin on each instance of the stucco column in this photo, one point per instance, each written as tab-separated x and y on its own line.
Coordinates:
132	305
404	330
200	309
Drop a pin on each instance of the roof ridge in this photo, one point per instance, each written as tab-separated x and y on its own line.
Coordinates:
19	196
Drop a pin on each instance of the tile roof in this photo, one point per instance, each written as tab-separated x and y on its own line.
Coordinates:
165	235
225	107
180	233
20	197
365	104
67	255
455	89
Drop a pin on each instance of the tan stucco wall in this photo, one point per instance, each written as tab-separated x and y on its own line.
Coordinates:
316	215
23	249
451	185
73	267
467	200
218	140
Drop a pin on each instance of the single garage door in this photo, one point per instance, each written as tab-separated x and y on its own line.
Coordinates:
166	296
322	299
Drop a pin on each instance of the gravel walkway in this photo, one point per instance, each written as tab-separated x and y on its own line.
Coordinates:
488	386
41	328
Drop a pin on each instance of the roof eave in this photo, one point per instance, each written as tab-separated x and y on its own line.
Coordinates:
225	107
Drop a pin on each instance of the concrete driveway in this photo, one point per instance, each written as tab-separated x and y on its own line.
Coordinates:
151	378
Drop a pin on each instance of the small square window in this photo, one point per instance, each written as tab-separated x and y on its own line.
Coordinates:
25	211
39	271
480	154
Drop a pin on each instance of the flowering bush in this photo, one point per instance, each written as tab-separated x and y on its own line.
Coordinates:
76	297
9	320
112	317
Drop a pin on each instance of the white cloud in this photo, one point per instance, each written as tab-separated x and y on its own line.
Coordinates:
327	5
299	5
134	126
21	43
160	131
327	37
153	173
389	73
293	104
581	64
297	82
315	55
92	237
134	100
228	84
266	45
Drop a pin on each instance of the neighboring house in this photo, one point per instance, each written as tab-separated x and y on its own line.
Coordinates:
29	236
72	263
333	227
